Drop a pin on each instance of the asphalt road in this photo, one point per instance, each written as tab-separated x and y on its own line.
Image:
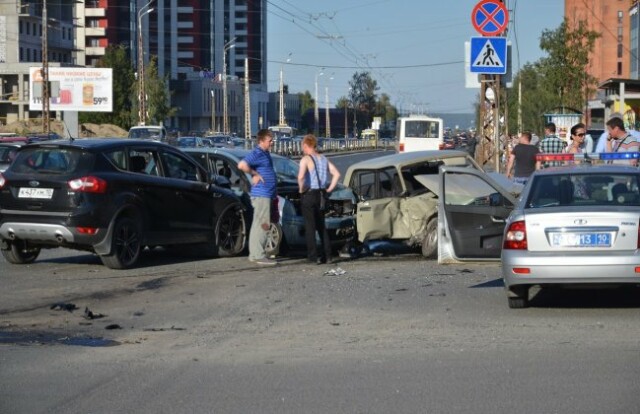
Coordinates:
391	334
395	334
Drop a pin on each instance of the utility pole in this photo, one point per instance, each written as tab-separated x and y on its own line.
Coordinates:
142	95
45	70
213	110
225	99
281	120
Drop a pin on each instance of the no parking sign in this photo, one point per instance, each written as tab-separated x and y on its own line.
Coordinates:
490	17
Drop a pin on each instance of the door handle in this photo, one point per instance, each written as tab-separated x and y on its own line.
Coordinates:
497	219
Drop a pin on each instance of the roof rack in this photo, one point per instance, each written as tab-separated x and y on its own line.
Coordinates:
587	157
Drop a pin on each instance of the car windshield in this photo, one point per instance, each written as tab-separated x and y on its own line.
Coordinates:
286	169
145	133
187	142
44	160
584	189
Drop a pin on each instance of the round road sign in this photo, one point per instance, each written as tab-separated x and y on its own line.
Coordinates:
490	17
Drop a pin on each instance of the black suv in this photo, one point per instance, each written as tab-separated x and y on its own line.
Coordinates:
113	197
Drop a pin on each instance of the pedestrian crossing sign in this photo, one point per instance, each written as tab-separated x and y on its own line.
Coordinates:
489	55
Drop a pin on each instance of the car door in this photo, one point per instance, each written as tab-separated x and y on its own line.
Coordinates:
379	209
472	212
190	202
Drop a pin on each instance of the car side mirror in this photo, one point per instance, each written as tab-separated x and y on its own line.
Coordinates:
497	200
221	181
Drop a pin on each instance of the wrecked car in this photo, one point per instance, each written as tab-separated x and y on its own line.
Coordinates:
289	231
398	196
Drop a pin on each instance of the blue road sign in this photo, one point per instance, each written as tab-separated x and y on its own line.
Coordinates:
489	55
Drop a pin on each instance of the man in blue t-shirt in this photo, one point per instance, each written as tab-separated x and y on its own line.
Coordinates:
263	190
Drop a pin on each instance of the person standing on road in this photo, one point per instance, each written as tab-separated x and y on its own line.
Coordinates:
263	190
620	140
551	144
577	144
312	183
471	145
524	157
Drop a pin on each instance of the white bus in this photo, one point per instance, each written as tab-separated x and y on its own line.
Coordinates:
419	133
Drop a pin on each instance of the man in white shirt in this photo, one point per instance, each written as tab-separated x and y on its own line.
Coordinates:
602	141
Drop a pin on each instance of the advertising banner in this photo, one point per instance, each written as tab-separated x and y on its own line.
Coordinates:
73	89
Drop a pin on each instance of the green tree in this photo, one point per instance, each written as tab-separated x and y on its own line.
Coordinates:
158	94
116	58
565	67
306	103
388	112
363	96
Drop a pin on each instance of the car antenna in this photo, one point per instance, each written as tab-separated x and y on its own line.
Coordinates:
68	132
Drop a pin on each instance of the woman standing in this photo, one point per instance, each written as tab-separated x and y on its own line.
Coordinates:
577	144
312	182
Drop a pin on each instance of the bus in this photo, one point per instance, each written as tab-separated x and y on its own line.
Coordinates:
282	131
419	133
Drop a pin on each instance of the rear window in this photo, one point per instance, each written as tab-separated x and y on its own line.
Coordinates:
52	160
584	189
421	129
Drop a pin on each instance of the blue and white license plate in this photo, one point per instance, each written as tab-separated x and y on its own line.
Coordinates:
581	239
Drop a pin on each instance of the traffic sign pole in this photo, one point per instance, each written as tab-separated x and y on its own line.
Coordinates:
490	18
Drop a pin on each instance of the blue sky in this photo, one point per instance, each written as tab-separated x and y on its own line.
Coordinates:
380	36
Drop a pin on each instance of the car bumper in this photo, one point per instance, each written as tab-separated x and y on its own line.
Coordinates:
49	234
340	230
583	268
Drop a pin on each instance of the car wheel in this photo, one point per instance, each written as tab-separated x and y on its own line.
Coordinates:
231	232
519	298
274	240
126	245
21	253
430	241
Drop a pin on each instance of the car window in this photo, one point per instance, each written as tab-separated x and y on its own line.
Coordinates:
52	160
286	169
143	162
178	167
225	168
388	183
466	189
363	183
584	189
118	158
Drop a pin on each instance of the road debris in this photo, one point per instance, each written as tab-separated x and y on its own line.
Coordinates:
335	272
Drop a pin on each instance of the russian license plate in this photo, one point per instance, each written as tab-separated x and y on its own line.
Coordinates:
28	192
581	239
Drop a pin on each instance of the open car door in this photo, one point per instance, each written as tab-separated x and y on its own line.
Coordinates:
472	211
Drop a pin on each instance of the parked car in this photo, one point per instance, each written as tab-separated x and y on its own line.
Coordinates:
152	132
398	196
7	154
190	142
113	197
219	140
572	226
289	232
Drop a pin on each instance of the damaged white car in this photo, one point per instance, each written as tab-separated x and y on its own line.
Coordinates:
398	196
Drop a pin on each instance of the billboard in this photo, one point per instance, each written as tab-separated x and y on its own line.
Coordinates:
73	89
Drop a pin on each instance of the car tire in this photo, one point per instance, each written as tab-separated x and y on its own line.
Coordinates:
430	241
126	244
518	303
21	253
274	240
231	232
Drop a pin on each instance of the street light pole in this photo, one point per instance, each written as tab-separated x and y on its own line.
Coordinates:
316	113
142	95
225	102
326	111
213	111
45	69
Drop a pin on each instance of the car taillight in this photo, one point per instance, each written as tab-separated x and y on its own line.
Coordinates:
3	181
516	237
87	230
88	184
401	147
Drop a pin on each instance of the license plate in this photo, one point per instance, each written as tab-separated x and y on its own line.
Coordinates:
27	192
581	239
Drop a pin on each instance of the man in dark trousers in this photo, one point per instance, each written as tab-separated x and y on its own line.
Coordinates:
524	158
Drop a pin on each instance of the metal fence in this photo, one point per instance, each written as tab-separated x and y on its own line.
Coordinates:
333	145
